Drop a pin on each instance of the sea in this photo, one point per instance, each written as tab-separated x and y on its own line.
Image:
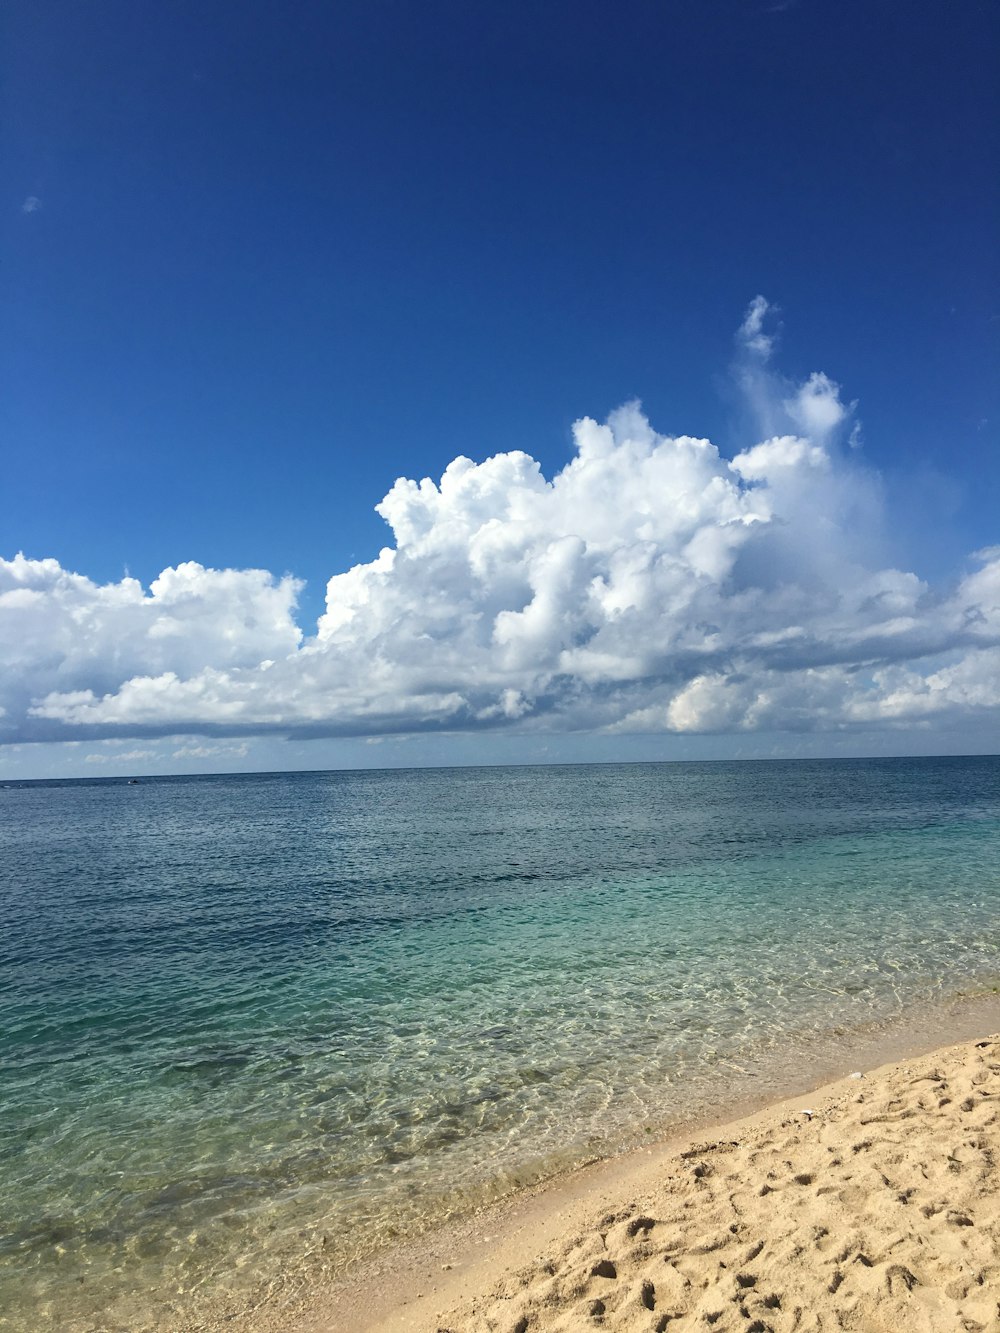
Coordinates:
247	1021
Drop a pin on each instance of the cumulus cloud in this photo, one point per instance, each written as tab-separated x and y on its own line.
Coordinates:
61	634
32	204
650	585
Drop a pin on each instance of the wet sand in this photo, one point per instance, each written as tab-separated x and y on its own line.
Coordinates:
870	1203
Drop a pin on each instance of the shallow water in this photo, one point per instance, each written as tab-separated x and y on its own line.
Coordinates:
239	1012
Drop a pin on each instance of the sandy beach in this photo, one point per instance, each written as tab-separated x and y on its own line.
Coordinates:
869	1204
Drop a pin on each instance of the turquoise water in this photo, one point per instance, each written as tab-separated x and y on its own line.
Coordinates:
243	1013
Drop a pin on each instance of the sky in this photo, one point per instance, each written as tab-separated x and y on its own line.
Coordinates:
422	384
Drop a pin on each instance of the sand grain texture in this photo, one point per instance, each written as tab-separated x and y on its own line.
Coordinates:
880	1211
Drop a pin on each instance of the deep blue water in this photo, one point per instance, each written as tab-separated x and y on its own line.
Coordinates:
239	1012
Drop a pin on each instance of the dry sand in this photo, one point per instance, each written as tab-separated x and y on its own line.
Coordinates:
879	1211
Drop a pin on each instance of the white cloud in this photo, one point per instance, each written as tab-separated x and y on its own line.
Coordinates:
751	333
120	757
61	633
772	457
651	585
816	407
32	204
211	751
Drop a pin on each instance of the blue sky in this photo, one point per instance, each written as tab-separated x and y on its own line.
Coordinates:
261	261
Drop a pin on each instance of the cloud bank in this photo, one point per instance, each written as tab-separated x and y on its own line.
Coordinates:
652	585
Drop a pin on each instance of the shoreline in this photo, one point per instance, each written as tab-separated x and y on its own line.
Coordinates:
421	1283
451	989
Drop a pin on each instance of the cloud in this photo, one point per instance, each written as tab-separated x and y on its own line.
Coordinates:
32	204
120	756
751	334
62	634
211	751
650	585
